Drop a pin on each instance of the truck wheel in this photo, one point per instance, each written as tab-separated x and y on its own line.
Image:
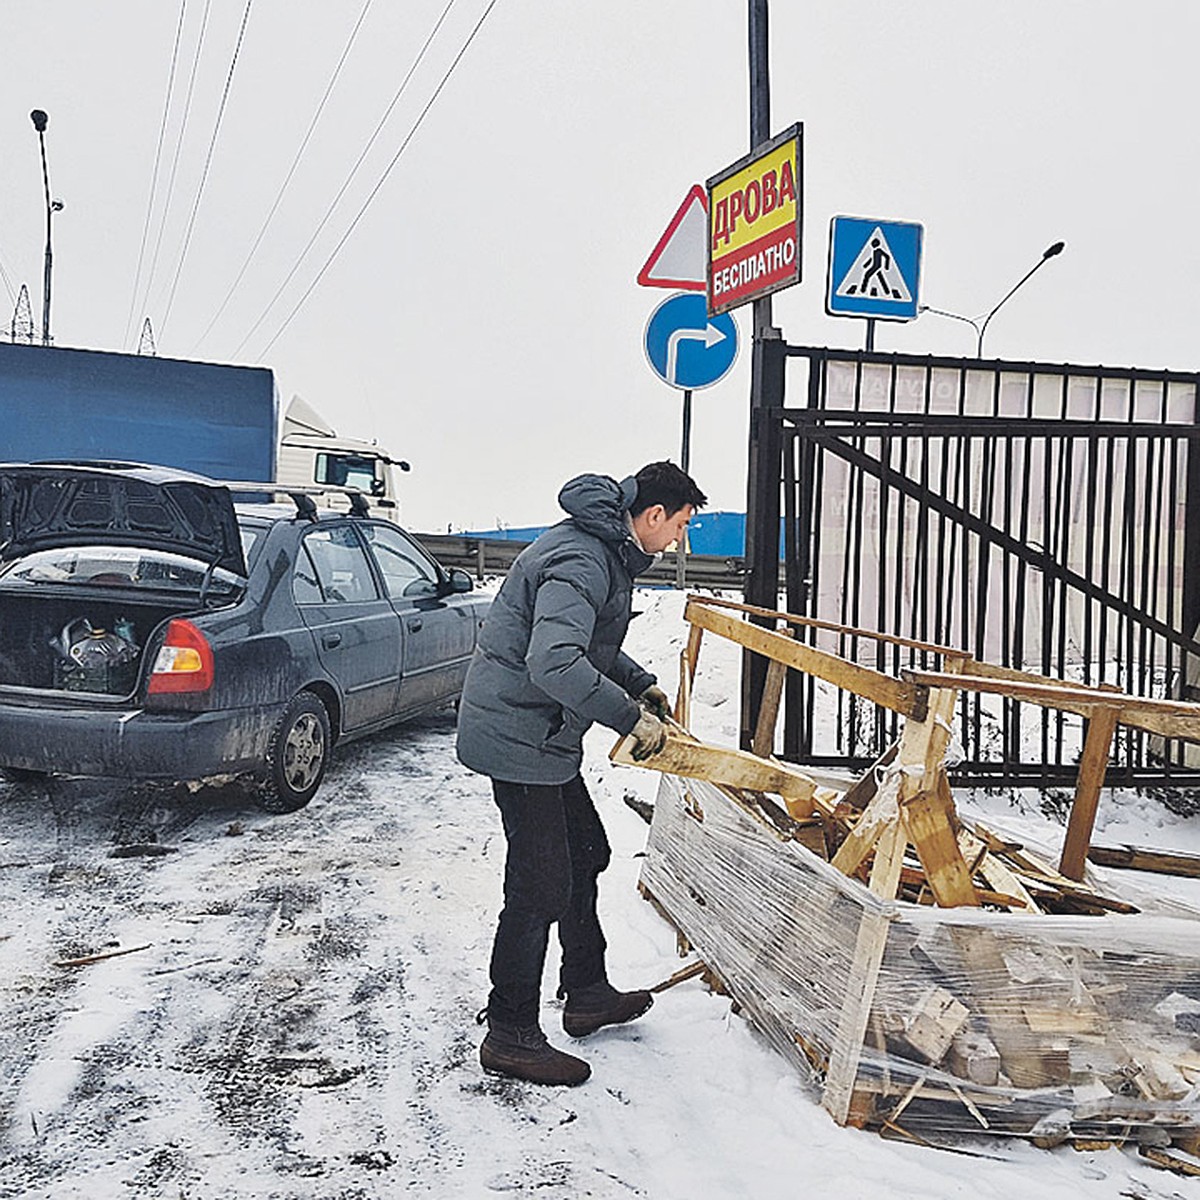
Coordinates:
297	757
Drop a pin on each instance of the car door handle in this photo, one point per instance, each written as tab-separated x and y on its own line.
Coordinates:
330	640
414	626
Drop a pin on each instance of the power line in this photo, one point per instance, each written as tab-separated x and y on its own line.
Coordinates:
291	171
162	131
187	108
8	287
349	178
212	145
382	178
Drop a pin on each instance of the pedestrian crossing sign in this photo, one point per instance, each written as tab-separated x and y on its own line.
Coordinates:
874	268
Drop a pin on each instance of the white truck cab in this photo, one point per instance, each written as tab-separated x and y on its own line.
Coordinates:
312	453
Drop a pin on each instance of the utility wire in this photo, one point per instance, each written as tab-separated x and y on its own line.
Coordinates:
8	287
291	171
382	178
187	108
212	145
162	131
353	171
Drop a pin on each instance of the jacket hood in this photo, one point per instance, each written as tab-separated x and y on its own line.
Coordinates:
598	504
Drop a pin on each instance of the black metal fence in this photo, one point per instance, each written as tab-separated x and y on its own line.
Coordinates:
1039	516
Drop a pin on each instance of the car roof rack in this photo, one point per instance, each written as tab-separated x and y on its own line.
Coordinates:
302	495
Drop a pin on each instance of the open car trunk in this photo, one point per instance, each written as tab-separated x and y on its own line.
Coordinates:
80	643
95	557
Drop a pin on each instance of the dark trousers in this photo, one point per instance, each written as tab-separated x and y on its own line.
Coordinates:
556	850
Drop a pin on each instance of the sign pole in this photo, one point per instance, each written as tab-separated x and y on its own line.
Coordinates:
766	391
870	333
684	463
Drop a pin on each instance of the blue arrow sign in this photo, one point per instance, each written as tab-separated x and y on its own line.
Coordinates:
874	268
685	346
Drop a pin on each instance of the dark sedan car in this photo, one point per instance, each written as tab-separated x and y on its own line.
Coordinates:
150	630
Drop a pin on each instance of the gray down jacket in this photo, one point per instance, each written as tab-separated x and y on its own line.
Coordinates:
549	659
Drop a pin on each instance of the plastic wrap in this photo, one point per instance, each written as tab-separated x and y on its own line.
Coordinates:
934	1019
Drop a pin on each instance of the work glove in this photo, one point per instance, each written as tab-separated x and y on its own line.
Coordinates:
649	736
656	700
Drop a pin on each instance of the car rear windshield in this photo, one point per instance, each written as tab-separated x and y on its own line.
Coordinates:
117	566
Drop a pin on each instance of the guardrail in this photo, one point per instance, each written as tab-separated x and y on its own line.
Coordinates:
484	556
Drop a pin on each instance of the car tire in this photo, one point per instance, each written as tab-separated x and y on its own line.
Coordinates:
297	757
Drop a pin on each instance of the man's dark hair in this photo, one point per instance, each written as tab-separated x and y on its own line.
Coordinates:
664	483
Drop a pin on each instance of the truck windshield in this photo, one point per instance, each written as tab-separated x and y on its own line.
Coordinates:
349	470
117	566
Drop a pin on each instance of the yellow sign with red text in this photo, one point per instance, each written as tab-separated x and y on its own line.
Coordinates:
755	210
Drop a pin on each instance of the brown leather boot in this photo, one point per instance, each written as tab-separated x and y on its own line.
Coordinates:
522	1052
599	1004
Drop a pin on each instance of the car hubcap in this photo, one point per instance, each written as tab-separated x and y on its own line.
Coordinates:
303	752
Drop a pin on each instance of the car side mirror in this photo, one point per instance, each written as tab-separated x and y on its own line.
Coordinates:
460	581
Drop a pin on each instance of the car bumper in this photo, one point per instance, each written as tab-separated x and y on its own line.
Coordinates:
134	744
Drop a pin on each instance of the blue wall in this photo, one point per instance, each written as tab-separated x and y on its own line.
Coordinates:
718	533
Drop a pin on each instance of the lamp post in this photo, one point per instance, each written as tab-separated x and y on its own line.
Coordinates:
980	324
40	121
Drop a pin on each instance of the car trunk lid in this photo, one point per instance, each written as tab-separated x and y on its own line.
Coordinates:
46	505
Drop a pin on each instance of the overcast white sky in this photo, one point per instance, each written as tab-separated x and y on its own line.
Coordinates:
483	320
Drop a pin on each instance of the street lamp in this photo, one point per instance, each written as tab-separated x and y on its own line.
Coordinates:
980	324
40	121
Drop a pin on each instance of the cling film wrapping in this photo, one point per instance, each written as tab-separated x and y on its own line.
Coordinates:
934	1019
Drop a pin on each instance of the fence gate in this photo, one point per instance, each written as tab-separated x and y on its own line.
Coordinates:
1043	517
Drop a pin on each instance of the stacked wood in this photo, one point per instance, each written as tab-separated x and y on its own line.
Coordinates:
923	971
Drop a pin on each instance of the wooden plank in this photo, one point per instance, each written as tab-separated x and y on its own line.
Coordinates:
1137	858
683	697
1000	877
1168	718
925	738
926	805
87	959
880	813
929	818
695	636
1179	1163
846	1051
1092	765
680	976
881	689
692	759
889	859
874	635
763	742
859	795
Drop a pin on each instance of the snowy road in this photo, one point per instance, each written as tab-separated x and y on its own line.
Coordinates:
297	1018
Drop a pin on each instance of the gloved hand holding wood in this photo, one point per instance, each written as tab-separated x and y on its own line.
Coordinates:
649	736
656	701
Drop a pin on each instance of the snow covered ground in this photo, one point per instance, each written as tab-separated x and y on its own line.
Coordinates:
298	1018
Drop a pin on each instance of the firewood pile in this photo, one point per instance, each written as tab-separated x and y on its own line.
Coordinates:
926	974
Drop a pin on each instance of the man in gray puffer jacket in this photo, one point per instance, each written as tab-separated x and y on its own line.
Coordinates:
549	664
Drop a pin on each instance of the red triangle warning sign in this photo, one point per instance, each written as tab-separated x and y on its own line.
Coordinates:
680	260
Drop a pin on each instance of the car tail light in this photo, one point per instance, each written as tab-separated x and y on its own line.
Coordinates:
184	662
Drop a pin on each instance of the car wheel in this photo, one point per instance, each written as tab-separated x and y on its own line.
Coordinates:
297	757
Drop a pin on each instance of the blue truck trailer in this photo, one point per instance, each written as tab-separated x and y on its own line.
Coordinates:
217	420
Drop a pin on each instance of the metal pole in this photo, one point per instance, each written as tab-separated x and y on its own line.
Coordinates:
685	455
766	387
760	117
40	121
870	343
1048	253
